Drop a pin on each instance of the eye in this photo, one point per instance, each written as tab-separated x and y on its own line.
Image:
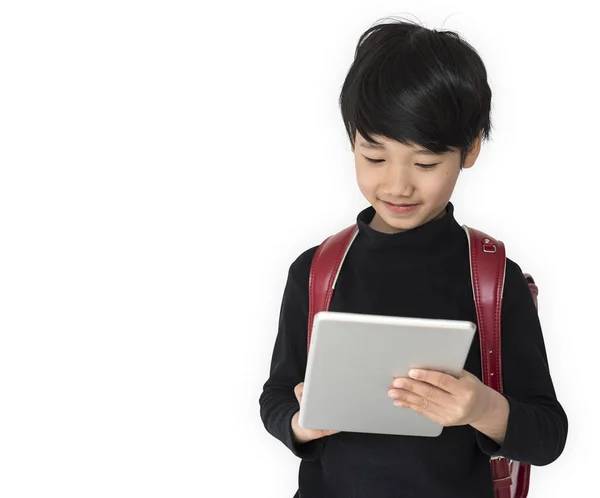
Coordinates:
421	165
374	161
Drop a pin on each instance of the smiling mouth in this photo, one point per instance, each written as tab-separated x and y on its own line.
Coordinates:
400	205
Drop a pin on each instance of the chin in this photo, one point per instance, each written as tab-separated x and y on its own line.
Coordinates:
398	224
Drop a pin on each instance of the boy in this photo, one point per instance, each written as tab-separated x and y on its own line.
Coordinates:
416	106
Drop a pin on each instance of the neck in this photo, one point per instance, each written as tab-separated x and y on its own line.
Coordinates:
427	244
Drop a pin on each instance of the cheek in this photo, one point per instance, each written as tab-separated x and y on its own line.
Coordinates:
368	186
449	181
439	185
365	190
366	181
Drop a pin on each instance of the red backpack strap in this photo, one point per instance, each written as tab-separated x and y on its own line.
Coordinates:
488	269
324	270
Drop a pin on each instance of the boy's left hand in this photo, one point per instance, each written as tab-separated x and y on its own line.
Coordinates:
443	398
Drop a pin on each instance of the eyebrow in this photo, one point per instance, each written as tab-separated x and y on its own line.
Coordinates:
379	146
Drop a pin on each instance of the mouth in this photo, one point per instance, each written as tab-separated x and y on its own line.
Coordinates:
399	205
400	208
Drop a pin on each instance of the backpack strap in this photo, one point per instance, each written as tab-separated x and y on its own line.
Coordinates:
488	269
324	270
487	258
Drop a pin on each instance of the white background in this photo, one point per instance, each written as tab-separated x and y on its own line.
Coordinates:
163	163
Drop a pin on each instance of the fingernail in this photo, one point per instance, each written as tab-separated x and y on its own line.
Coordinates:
415	374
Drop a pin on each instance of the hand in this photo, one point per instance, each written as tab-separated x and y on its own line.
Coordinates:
300	434
443	398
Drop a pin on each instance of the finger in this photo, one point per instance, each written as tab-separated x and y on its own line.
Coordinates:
439	379
425	412
425	390
402	397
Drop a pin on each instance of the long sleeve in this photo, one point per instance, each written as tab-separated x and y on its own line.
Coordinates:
537	424
278	403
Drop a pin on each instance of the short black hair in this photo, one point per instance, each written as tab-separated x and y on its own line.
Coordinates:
417	86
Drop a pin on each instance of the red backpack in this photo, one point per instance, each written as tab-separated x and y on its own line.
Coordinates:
488	264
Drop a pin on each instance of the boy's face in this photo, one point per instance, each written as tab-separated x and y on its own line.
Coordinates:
399	178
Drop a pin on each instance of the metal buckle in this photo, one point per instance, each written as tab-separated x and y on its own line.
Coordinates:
488	246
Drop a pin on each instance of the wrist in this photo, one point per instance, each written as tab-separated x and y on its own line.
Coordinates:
298	434
494	421
490	407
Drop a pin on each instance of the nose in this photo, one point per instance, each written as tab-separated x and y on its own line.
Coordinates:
398	182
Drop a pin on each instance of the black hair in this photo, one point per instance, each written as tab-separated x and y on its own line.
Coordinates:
417	86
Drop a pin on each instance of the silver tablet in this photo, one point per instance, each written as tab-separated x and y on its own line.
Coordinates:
354	358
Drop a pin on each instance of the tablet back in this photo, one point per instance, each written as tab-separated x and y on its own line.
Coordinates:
353	359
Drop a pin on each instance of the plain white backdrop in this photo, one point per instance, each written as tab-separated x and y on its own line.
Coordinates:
163	163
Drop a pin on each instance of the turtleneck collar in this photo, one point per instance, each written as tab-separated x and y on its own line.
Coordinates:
427	243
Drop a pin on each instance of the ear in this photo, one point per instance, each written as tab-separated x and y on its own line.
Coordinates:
473	152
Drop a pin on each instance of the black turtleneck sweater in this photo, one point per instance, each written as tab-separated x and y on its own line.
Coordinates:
422	272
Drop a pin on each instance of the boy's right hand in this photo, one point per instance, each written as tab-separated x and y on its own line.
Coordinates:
305	435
